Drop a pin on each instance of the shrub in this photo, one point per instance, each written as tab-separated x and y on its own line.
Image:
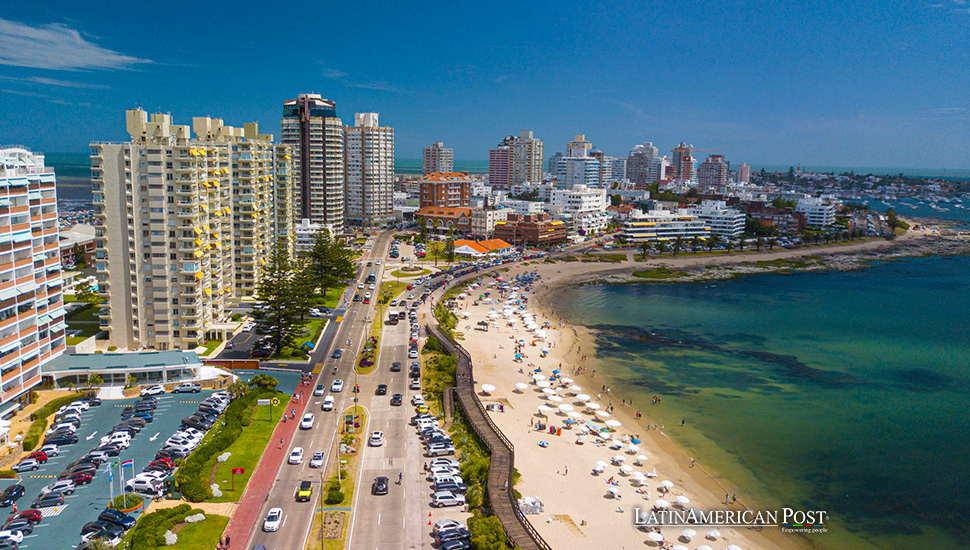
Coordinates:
149	532
34	433
432	345
246	421
334	497
7	474
487	533
52	406
126	501
333	485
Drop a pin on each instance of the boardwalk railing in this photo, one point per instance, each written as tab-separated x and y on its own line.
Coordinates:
501	495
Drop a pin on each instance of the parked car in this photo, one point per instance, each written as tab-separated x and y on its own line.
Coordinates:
26	465
118	518
64	486
12	494
48	500
157	389
188	387
33	516
447	498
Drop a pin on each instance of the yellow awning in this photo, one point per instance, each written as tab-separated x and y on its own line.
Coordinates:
215	235
228	211
204	206
197	230
208	291
198	242
205	226
262	261
208	246
221	291
218	213
198	253
198	275
229	289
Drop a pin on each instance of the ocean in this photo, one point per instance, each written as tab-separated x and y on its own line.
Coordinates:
839	391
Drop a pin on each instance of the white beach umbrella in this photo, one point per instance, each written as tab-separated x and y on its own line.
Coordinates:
582	397
667	483
633	449
572	414
488	388
688	533
613	490
661	503
713	534
641	458
733	547
602	463
679	547
493	315
626	469
602	414
521	386
538	377
704	547
544	409
575	388
655	536
566	381
619	458
616	443
566	407
548	391
639	475
613	423
544	384
682	500
555	399
592	406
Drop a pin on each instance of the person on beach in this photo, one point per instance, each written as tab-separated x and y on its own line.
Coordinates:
727	498
692	462
734	498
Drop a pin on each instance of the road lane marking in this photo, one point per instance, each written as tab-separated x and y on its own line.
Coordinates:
378	519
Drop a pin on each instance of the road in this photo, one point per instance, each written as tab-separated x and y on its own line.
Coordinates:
298	516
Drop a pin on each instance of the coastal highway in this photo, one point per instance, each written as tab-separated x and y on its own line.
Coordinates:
298	516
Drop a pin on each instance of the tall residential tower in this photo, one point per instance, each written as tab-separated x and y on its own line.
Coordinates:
438	159
311	127
369	172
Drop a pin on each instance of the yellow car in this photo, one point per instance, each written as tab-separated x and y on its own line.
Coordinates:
304	491
422	408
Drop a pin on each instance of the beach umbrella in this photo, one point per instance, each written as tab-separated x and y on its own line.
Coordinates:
616	443
661	503
679	547
641	458
633	449
602	414
667	483
733	547
713	534
682	499
575	388
544	409
544	384
580	438
548	391
582	397
626	468
613	490
704	547
539	377
655	536
521	386
635	441
518	356
619	458
565	407
573	414
601	463
592	406
556	371
639	476
613	423
488	388
566	380
688	533
569	421
555	399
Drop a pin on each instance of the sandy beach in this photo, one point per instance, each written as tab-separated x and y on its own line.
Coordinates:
577	506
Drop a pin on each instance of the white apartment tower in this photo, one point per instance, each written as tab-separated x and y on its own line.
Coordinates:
438	159
526	161
311	127
31	304
369	172
184	225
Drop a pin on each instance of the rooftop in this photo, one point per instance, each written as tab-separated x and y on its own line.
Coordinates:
102	361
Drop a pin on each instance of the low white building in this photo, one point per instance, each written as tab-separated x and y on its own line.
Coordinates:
722	220
818	213
306	232
663	225
582	208
484	219
524	207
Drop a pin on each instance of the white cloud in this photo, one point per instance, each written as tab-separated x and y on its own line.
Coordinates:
344	78
55	82
56	46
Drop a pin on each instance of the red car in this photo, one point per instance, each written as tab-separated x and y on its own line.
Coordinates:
410	287
166	462
80	478
39	456
33	516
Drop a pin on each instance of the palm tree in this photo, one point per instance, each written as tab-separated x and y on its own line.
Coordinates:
712	242
761	243
741	243
661	246
644	249
695	241
678	244
238	389
729	245
771	243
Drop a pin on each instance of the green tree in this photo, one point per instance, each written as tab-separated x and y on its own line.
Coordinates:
661	246
712	241
771	243
728	246
644	250
616	200
263	381
238	389
95	380
450	246
282	308
695	242
678	244
760	243
326	263
84	292
741	242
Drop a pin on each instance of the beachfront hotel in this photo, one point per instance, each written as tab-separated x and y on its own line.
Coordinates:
369	172
664	225
32	328
183	226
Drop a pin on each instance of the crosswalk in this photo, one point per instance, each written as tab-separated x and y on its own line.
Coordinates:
52	511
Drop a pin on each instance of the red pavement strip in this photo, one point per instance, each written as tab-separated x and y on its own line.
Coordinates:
244	520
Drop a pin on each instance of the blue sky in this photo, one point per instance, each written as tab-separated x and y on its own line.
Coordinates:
818	83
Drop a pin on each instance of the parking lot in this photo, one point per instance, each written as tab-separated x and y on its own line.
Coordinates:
61	527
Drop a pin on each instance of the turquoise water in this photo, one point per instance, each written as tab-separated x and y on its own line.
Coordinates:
842	391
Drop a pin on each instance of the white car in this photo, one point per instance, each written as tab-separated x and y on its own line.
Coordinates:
327	403
62	426
307	422
65	486
317	460
438	471
371	287
121	439
146	486
447	498
444	462
376	439
417	400
157	389
415	384
319	390
273	520
50	450
360	286
337	386
413	354
296	456
15	536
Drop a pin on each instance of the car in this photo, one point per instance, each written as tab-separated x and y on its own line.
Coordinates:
415	384
86	467
118	518
327	404
102	528
48	500
441	470
356	297
39	456
296	456
64	486
317	460
145	486
171	453
417	399
90	400
447	498
360	285
456	533
26	465
273	520
337	354
337	386
395	366
422	408
319	390
304	491
50	450
458	544
157	389
397	400
440	449
188	387
412	354
80	478
7	535
376	439
379	487
452	486
111	450
307	422
22	525
12	494
381	389
33	516
447	462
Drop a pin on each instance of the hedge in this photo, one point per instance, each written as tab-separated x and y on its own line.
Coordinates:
7	474
193	482
52	406
150	530
35	433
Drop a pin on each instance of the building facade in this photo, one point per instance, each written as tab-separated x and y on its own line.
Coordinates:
446	189
369	172
531	230
32	327
527	159
311	128
500	163
818	213
583	209
442	219
644	166
484	219
661	225
744	173
722	220
713	173
184	225
305	234
438	159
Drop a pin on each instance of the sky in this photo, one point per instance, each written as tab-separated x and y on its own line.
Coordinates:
878	84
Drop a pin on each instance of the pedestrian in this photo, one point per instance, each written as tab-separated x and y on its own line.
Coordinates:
281	443
692	462
734	498
727	498
683	422
227	542
566	471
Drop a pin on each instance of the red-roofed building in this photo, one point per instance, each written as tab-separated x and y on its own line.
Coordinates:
441	220
472	249
451	189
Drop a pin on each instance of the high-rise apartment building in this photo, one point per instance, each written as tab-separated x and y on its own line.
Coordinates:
526	158
369	172
683	162
311	127
438	159
744	173
713	173
184	225
31	304
643	166
579	146
500	163
453	189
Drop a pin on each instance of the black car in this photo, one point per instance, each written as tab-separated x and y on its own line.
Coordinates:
356	297
90	400
193	422
86	467
110	450
21	525
118	518
11	495
380	486
450	486
337	353
136	421
123	427
48	500
458	544
65	439
381	389
109	530
397	400
395	366
456	533
415	373
171	453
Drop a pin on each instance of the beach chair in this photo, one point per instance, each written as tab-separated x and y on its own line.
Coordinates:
652	473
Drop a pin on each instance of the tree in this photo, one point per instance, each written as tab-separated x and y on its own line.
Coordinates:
450	246
760	243
661	246
95	380
238	389
729	245
644	250
616	200
282	307
741	242
712	241
80	259
695	242
678	244
326	263
84	292
771	243
263	381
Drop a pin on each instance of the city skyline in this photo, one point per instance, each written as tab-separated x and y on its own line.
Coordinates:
838	85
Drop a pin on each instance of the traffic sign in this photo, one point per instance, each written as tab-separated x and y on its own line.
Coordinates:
276	401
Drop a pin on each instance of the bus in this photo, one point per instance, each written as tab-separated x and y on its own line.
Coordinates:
372	278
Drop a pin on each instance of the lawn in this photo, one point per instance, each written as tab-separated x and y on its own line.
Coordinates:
405	274
88	313
75	340
211	346
311	332
390	290
660	273
246	451
203	535
330	300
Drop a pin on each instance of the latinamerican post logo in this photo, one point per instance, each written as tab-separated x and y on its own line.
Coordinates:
789	520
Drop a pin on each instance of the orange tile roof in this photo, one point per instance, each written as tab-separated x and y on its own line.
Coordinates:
452	211
447	176
471	244
494	244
